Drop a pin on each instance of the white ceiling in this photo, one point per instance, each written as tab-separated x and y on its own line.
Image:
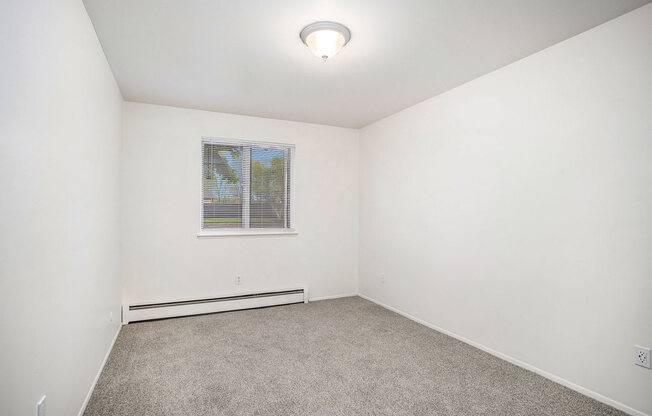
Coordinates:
245	56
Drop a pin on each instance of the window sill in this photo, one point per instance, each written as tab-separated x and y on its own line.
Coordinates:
245	233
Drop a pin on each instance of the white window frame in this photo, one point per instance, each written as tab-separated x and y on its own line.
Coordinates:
246	231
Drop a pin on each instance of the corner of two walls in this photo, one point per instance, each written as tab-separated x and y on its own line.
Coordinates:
514	211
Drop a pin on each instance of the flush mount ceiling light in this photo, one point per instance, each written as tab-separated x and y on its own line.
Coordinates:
325	39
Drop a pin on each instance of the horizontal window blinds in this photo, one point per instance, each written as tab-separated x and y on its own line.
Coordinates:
222	183
246	186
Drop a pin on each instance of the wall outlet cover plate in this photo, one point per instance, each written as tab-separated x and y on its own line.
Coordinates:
642	356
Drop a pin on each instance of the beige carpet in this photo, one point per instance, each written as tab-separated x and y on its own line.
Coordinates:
336	357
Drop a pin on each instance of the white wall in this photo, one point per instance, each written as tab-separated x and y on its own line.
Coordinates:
60	125
516	210
162	257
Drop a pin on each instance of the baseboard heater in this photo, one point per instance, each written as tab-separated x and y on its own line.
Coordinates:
148	311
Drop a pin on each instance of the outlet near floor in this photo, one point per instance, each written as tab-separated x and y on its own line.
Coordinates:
642	356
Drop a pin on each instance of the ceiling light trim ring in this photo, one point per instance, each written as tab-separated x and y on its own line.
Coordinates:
313	27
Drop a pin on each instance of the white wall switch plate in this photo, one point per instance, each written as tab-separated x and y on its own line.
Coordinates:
642	356
40	407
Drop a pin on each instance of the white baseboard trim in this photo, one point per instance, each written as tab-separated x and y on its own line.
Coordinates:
341	295
97	377
590	393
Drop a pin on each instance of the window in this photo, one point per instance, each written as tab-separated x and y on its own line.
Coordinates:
246	186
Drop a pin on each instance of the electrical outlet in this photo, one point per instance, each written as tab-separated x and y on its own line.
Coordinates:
382	278
111	316
642	356
40	407
238	281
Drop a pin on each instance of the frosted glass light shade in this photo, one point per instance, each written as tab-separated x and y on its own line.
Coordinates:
325	39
